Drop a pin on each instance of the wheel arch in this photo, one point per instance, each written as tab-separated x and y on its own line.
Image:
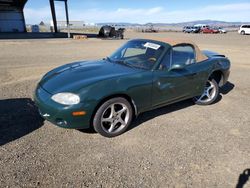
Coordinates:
218	76
103	100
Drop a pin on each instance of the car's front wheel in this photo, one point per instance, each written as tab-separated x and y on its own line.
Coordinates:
210	94
113	117
242	32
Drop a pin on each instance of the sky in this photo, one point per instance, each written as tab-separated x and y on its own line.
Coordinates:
140	11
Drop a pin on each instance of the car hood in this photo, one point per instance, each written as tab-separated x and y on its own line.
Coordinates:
73	77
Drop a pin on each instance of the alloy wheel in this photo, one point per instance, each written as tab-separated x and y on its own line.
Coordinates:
115	117
209	93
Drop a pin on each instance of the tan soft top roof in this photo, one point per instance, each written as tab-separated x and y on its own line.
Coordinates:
199	55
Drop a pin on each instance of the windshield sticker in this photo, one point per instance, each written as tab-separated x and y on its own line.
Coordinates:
152	45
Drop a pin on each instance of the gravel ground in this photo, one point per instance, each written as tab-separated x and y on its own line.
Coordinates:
181	145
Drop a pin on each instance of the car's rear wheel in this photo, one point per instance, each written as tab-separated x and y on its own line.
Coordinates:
113	117
210	94
242	32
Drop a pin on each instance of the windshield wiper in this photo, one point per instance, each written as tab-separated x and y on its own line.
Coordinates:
140	67
124	63
131	65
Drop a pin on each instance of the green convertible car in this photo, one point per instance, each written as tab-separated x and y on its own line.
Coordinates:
142	75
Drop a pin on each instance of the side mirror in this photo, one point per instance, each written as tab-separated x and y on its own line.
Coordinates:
177	67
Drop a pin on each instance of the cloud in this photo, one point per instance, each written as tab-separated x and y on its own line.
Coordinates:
35	16
119	15
229	7
227	12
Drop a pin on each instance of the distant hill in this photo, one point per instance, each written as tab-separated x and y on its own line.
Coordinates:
181	24
210	22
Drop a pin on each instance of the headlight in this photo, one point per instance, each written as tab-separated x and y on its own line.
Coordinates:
66	98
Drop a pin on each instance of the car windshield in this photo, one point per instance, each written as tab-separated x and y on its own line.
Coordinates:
138	54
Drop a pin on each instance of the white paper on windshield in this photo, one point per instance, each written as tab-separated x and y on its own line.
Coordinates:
152	45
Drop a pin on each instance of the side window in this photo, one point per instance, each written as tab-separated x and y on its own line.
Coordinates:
166	61
183	55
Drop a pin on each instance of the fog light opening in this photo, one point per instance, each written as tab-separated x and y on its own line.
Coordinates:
61	122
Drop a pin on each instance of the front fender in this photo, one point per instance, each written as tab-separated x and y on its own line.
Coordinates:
138	87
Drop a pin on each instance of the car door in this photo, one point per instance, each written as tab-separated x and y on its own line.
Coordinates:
177	76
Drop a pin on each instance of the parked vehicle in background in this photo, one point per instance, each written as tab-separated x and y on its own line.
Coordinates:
188	29
150	29
244	29
201	26
196	29
209	30
110	32
222	31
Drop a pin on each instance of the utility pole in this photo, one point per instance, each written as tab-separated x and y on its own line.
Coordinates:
53	12
67	17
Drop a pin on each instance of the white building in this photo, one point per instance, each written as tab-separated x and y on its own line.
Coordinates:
72	24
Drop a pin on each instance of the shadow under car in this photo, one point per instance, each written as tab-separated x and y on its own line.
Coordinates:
18	117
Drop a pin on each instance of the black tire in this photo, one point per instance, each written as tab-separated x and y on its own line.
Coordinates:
243	32
214	93
103	121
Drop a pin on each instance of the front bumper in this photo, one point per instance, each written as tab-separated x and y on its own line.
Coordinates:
61	115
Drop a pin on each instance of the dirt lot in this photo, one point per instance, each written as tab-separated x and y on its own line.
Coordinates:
181	145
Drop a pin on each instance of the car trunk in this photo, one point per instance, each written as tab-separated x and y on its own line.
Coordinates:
210	54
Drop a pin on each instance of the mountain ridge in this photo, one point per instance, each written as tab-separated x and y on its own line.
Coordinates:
208	22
